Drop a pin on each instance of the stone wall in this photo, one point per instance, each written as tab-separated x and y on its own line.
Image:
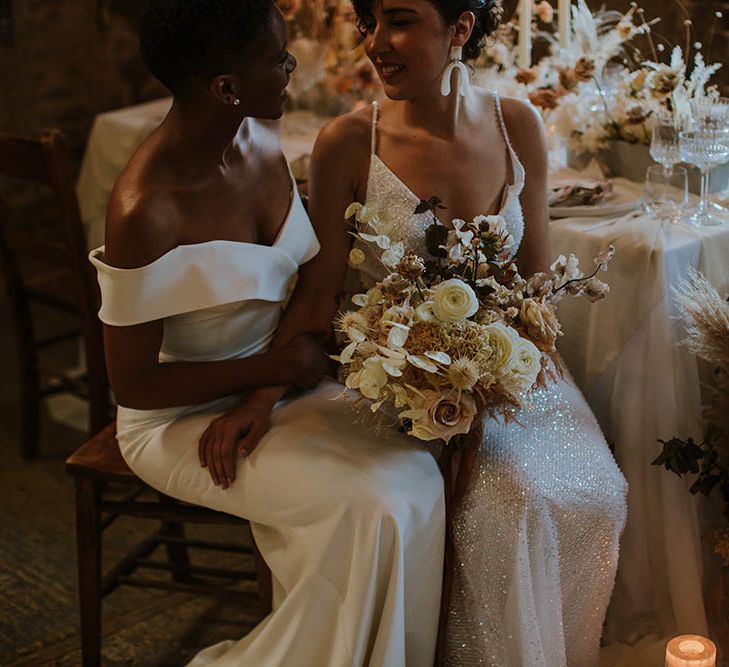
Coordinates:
64	61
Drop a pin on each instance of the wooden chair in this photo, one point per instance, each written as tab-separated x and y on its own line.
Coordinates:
62	280
95	466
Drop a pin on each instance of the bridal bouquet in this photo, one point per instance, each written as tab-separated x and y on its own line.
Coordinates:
459	333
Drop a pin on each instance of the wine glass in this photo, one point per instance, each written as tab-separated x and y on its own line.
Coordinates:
664	147
704	149
711	113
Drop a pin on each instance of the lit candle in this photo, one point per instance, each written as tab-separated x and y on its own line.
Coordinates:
690	651
525	33
564	18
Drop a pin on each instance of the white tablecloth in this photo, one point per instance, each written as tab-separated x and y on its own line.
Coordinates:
624	353
626	356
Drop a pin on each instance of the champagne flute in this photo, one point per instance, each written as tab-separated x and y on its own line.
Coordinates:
705	149
664	147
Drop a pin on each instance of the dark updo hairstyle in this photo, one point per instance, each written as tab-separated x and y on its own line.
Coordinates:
182	41
487	13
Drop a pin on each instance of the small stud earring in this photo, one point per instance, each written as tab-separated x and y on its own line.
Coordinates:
236	102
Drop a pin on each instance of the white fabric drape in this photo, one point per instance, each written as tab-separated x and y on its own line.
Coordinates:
643	384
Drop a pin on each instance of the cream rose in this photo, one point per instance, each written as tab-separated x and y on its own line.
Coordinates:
526	362
441	415
501	339
454	301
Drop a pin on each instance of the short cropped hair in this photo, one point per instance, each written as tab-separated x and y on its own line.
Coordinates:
182	41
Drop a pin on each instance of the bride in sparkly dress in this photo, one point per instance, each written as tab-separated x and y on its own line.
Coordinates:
538	529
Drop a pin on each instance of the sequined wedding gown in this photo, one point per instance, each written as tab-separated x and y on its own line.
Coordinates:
537	533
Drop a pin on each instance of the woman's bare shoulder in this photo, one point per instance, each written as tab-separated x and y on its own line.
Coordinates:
349	132
342	149
142	219
521	117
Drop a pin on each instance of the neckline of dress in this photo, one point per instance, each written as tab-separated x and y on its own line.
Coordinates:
506	191
517	169
187	246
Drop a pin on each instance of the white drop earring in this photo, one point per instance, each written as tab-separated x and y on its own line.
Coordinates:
455	63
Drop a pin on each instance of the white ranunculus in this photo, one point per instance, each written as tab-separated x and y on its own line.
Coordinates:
454	301
522	372
501	339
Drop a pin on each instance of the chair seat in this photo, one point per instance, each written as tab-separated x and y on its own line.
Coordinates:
100	458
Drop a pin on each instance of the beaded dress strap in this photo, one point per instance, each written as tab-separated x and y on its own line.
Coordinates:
502	123
375	121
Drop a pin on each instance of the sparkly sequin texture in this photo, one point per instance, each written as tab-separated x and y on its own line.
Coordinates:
536	536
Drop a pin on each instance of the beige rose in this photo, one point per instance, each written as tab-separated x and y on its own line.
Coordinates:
540	322
441	415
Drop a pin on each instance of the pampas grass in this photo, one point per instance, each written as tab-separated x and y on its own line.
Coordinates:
705	315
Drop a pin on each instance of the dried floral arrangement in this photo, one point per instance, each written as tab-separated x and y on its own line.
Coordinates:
602	86
334	74
706	318
447	338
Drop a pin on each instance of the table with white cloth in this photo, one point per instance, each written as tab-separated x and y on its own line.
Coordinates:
624	352
643	384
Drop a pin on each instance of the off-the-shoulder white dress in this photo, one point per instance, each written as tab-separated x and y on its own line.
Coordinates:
350	524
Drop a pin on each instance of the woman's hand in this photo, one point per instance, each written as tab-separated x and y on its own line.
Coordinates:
235	433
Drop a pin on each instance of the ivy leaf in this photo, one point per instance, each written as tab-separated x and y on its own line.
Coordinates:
705	485
430	204
436	235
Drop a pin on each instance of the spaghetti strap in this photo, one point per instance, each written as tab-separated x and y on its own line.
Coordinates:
375	121
502	123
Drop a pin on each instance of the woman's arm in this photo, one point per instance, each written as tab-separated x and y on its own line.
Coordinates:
135	238
338	162
526	132
140	381
337	165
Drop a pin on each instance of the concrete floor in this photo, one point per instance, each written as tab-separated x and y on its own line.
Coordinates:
38	606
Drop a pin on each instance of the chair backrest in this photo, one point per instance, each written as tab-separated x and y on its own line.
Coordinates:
44	160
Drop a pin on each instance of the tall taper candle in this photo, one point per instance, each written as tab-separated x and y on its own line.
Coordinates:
565	21
525	33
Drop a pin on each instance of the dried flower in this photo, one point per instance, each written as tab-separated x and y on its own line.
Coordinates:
411	266
567	79
353	325
584	69
544	11
463	374
540	322
545	98
636	115
663	83
525	75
